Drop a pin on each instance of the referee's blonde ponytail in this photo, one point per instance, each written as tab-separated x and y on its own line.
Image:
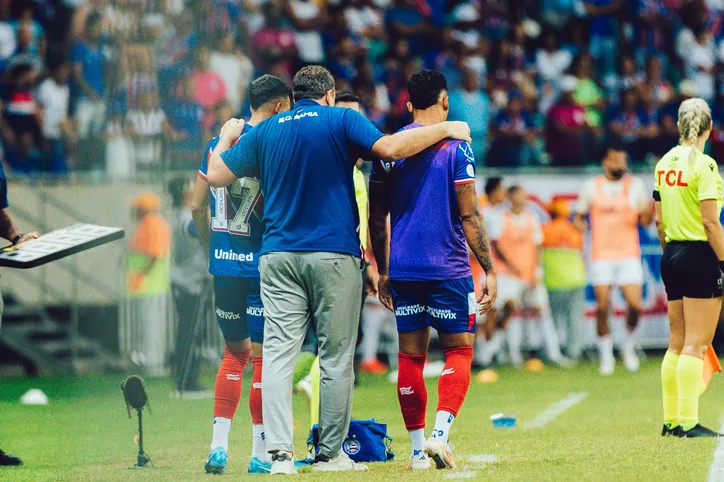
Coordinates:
694	120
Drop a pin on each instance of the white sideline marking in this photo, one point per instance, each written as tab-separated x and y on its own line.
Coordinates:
463	474
557	409
716	472
483	458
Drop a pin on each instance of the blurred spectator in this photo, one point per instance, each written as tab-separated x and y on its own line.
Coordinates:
565	127
54	100
308	19
408	19
222	113
89	81
627	123
661	89
472	105
511	131
588	94
274	42
209	88
235	68
120	161
699	63
601	15
552	61
627	78
186	115
21	127
147	125
30	28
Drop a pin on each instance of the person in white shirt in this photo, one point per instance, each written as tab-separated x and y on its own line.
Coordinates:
146	125
551	61
53	98
234	68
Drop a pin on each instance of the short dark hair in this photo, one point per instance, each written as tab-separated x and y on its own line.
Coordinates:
312	82
424	88
266	89
514	189
492	184
346	96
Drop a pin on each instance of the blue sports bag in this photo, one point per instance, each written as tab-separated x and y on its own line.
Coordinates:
367	441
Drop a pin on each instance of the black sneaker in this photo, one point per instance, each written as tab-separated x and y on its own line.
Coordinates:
8	460
321	458
671	431
699	431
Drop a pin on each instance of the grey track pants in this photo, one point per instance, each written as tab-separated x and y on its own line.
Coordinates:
567	309
296	288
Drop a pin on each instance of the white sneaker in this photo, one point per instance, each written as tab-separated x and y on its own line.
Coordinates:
630	358
421	462
282	464
340	463
440	452
608	366
392	377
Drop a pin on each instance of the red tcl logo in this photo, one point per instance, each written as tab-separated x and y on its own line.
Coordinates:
671	177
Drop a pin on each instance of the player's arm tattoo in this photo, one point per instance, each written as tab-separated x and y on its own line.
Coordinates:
379	237
474	225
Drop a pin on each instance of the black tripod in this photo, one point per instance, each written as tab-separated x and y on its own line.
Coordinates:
143	459
134	394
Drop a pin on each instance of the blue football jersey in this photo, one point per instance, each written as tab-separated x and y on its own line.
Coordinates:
427	240
236	227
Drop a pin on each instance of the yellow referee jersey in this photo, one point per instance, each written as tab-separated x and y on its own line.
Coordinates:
681	185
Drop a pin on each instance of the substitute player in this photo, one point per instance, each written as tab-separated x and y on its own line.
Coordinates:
516	237
616	204
688	195
425	271
234	240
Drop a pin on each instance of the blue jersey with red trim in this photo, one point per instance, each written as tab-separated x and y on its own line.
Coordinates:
427	241
236	227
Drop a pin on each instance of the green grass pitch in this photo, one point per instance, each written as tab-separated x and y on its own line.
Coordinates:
84	433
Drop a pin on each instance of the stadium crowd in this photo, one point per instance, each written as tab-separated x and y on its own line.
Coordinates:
539	82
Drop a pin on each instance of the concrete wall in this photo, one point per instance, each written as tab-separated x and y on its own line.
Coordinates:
106	204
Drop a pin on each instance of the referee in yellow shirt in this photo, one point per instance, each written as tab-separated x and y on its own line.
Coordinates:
688	195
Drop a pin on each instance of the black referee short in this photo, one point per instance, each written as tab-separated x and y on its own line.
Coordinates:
690	269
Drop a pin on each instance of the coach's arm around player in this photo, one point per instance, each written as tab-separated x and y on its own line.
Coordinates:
389	148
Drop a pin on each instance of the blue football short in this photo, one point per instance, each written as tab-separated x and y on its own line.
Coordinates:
239	309
447	305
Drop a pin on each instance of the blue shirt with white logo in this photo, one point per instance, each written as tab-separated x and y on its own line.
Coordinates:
304	159
236	227
427	240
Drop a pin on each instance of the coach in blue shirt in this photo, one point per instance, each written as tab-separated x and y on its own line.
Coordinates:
310	254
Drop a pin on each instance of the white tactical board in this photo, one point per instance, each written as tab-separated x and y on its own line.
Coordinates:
58	244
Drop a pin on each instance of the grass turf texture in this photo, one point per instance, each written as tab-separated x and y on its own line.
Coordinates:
84	434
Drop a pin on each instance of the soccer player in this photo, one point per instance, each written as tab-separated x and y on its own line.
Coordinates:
516	237
688	198
233	236
616	204
425	270
310	255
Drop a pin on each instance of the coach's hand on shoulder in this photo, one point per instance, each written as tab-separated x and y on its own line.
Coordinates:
489	292
232	129
459	130
383	290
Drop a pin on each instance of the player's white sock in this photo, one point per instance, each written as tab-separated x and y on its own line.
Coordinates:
221	433
443	422
258	444
550	336
514	334
417	437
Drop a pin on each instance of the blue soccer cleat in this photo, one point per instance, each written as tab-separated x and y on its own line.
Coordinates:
216	463
256	466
